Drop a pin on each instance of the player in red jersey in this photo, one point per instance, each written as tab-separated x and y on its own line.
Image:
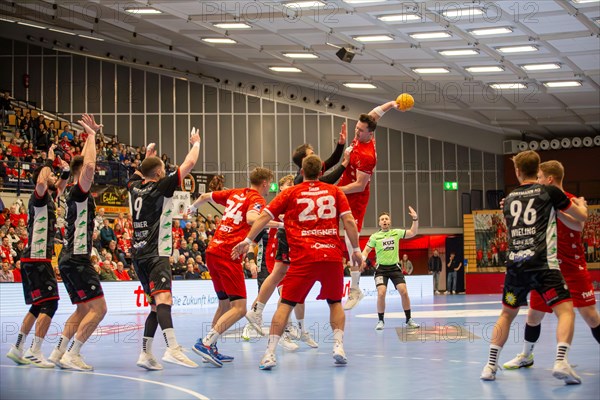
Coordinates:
311	211
243	207
573	266
355	182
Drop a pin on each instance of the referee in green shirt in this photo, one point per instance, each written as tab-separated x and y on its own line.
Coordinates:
385	242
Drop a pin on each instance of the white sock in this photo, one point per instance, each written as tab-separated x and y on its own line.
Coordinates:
75	346
494	355
528	348
170	339
259	307
147	344
355	278
301	326
63	343
211	338
21	339
338	335
273	340
562	349
36	344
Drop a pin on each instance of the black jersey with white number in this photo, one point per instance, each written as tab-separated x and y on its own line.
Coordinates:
80	214
530	212
151	205
40	228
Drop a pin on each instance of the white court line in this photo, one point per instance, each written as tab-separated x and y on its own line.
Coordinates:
499	301
188	391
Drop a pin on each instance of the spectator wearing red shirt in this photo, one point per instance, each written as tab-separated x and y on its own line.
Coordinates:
177	233
6	251
17	272
121	274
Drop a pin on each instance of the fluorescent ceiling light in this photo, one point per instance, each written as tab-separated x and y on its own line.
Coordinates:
490	31
399	17
584	1
508	86
373	38
305	4
91	37
429	35
562	84
300	55
59	31
219	40
6	20
285	69
353	85
517	49
31	25
232	25
540	67
482	69
364	1
454	53
434	70
463	12
142	10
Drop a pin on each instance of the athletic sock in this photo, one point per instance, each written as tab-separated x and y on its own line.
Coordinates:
273	340
596	333
380	315
355	277
407	314
170	339
21	338
532	334
147	344
151	325
258	307
562	349
163	315
211	337
301	326
63	343
338	335
494	355
75	346
36	344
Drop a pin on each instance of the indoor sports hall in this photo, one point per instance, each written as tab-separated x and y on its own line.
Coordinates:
457	202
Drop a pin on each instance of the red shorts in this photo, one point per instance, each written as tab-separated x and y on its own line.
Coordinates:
580	287
227	276
358	205
301	278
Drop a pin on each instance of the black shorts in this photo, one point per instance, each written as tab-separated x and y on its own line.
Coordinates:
283	250
262	275
81	280
39	282
154	274
385	272
549	283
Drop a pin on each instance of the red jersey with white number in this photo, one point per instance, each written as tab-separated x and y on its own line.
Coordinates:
271	249
312	211
233	227
571	254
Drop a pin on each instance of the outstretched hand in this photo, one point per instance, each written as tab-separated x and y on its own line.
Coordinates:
195	136
412	213
343	134
239	250
88	129
91	122
51	155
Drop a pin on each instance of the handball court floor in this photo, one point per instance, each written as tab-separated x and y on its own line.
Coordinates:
443	359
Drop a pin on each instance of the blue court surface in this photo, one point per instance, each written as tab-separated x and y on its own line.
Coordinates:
443	359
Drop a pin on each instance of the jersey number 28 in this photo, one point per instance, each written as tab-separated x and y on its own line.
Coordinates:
325	208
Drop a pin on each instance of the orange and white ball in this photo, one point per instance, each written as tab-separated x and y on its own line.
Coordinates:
405	102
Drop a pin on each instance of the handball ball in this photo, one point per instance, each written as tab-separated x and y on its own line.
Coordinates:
405	102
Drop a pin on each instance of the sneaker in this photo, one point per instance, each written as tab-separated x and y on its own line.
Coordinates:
520	361
16	355
55	357
437	292
339	355
310	342
176	356
256	321
221	357
287	343
562	370
207	353
453	292
37	359
246	332
293	331
268	361
412	324
149	362
355	296
74	361
489	373
379	326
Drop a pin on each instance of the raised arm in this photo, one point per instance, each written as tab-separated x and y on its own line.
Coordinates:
192	157
41	186
359	185
89	153
64	176
378	111
414	229
339	149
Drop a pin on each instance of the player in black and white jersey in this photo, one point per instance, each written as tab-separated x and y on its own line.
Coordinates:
150	201
78	274
39	281
530	212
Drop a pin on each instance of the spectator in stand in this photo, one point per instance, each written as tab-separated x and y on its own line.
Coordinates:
118	229
6	274
116	254
7	225
177	233
5	106
217	220
406	265
26	121
19	214
120	220
18	138
10	157
200	264
124	245
106	272
52	132
15	147
6	251
188	229
12	236
120	273
19	247
195	251
180	266
98	221
108	261
17	272
95	260
42	138
107	234
434	265
67	133
191	273
96	243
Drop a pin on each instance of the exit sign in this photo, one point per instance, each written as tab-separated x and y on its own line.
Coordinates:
274	188
450	185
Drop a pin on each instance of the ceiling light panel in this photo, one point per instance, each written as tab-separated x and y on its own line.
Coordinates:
462	12
491	31
301	55
373	38
459	52
142	10
517	49
232	25
285	69
431	70
359	85
540	67
562	84
409	17
430	35
219	40
508	86
484	69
